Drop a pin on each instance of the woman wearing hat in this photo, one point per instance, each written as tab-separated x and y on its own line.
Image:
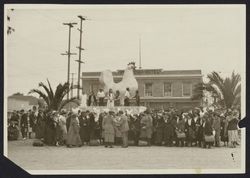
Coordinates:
190	129
84	128
146	127
160	124
73	137
62	127
208	132
232	128
108	128
224	132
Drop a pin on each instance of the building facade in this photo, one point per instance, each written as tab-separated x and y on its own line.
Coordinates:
157	88
18	102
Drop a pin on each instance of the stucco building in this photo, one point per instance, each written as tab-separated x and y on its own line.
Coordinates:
158	88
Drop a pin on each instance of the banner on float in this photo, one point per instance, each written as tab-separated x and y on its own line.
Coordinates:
128	109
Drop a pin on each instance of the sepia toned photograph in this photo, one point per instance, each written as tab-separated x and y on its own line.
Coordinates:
125	89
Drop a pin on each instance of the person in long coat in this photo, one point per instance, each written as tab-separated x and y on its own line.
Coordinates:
190	130
117	125
160	125
208	130
217	128
124	128
73	137
101	129
108	128
199	131
40	129
224	133
84	128
168	130
232	129
180	128
134	128
63	127
50	129
24	124
146	128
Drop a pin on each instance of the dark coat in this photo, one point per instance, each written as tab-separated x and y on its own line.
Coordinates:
24	120
224	131
180	126
94	128
40	127
190	130
208	129
169	129
93	100
199	130
84	129
32	120
50	131
160	125
232	124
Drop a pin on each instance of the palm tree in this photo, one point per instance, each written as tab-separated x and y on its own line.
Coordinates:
227	91
54	100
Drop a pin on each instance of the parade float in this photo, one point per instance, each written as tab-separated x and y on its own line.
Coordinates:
107	82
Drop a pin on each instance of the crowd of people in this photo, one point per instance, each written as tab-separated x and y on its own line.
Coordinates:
198	127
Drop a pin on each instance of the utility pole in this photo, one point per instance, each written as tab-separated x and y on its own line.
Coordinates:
140	53
80	55
72	83
68	53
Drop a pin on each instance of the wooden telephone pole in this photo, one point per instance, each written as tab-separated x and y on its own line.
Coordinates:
68	53
72	83
80	55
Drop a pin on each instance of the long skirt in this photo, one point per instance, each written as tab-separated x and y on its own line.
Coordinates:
232	135
109	137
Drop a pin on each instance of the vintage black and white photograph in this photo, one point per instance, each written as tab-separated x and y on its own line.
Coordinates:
125	89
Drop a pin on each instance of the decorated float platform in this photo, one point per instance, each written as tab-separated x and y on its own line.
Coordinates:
127	109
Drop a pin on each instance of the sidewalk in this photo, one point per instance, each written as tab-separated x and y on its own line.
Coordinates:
154	157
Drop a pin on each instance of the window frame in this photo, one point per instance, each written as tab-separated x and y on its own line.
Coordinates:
145	89
191	88
171	95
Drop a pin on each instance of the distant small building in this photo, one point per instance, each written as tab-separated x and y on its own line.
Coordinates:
18	102
158	88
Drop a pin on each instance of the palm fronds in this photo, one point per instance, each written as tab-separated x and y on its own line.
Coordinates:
54	100
227	91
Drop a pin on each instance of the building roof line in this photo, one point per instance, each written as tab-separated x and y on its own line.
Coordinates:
152	76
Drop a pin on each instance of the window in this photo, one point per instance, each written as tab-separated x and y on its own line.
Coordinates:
186	89
148	89
167	89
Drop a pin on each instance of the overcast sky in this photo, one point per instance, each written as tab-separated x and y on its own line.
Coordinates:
210	38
